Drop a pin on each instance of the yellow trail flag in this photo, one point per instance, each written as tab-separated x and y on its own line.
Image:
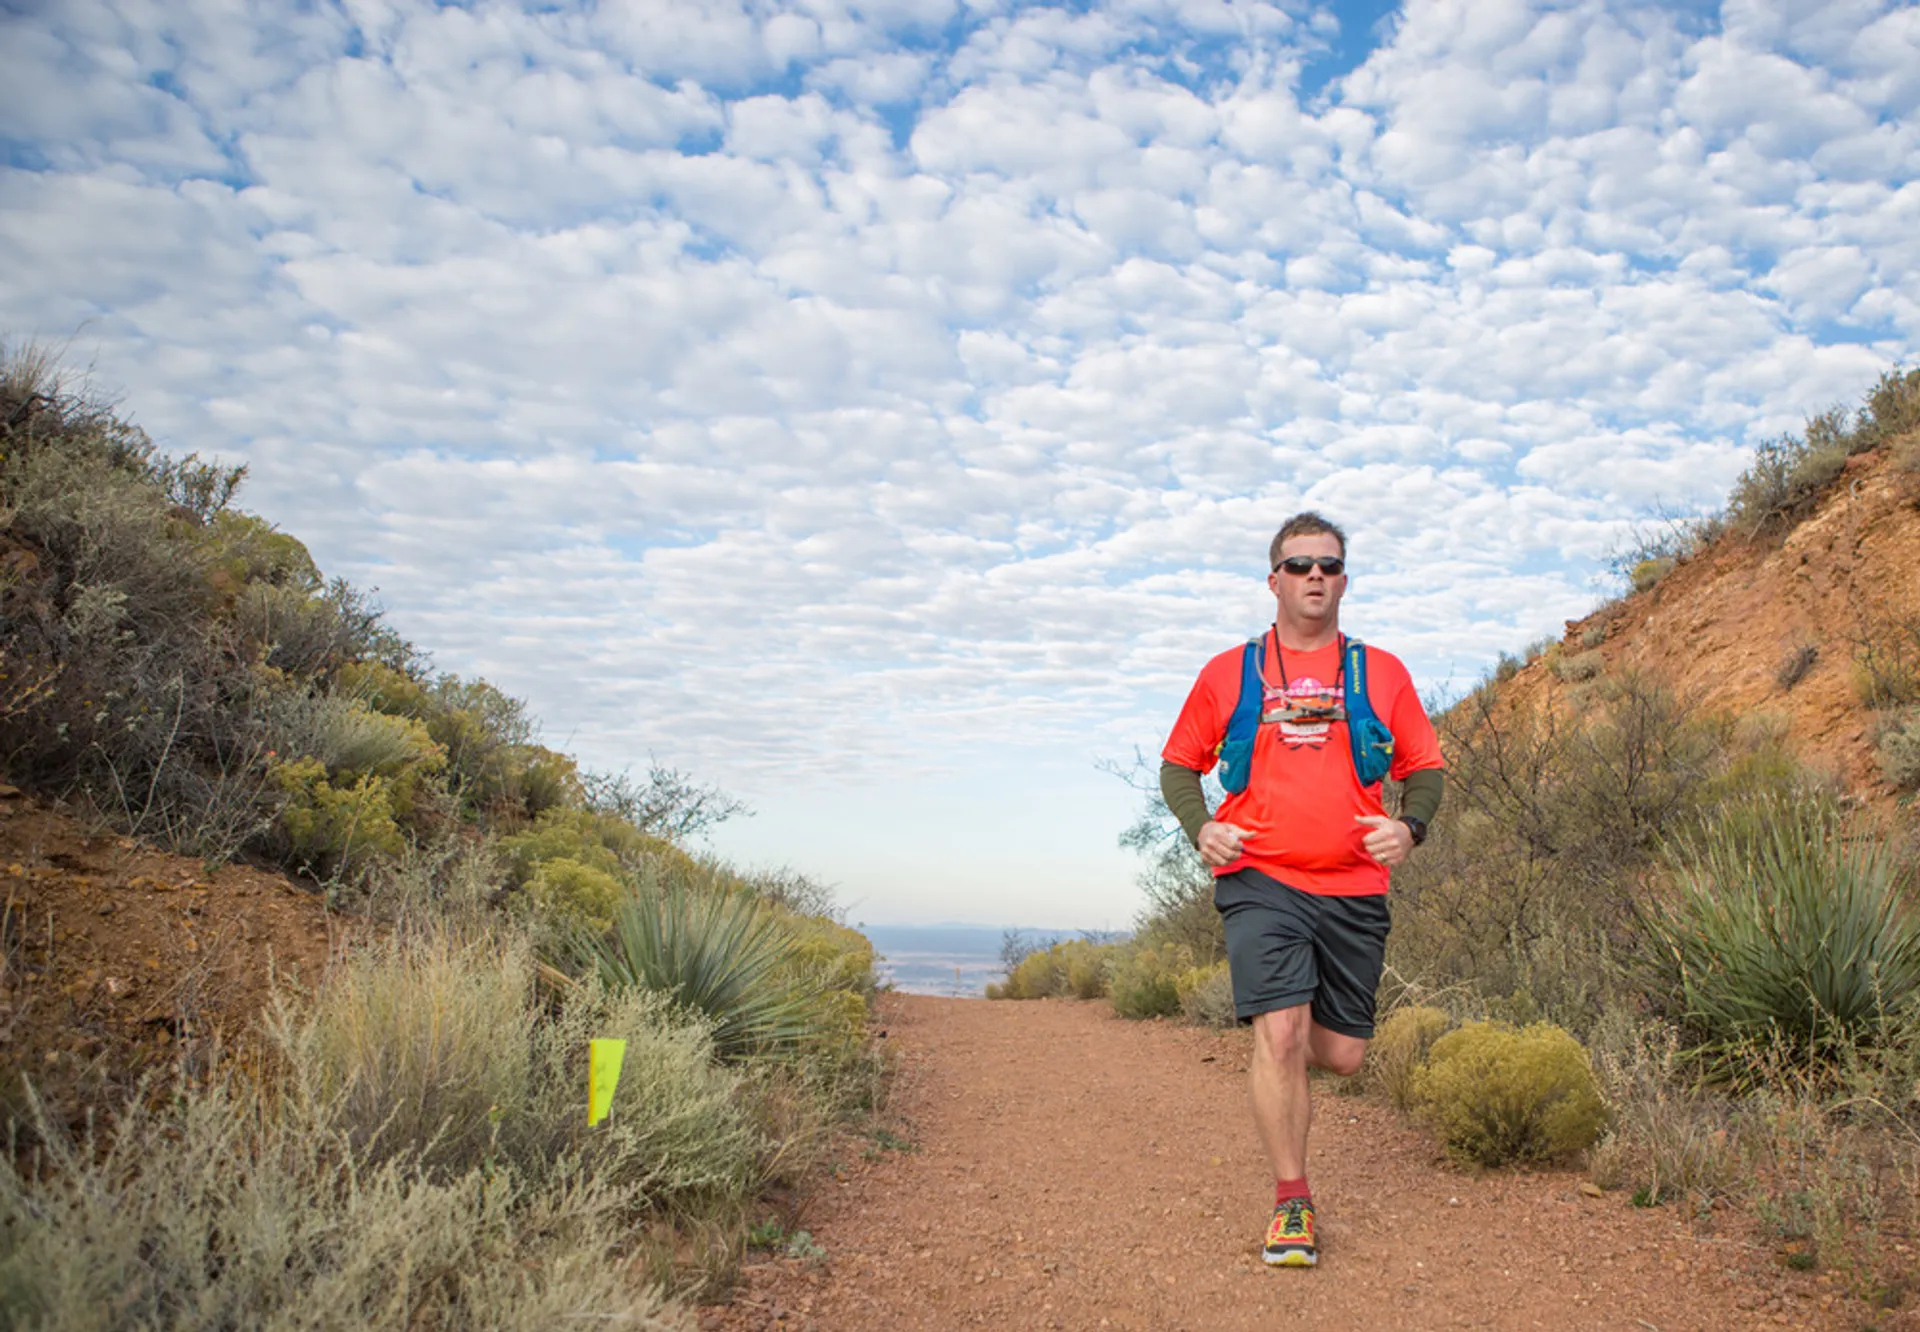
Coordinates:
603	1075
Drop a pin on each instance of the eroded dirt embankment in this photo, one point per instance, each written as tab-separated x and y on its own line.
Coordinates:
1071	1170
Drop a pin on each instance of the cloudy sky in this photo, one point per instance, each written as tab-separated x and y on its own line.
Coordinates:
880	408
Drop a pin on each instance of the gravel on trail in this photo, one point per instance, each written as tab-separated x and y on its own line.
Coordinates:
1067	1169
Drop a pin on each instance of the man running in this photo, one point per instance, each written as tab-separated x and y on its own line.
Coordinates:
1301	855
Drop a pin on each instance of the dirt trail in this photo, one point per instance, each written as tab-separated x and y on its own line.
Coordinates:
1070	1170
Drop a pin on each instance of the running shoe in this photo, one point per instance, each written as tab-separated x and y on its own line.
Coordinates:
1290	1237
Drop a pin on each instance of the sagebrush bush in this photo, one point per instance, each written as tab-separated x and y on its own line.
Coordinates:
1144	980
1400	1047
334	830
1786	924
415	1042
1647	573
563	889
1077	967
1580	666
229	1208
1898	748
440	1053
1496	1095
1206	995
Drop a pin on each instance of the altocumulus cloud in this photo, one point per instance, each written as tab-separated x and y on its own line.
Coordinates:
878	385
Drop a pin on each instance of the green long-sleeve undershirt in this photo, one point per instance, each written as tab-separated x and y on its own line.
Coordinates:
1180	788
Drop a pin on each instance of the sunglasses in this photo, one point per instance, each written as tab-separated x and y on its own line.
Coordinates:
1302	565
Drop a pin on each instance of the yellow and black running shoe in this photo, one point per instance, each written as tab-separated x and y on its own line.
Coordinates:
1290	1237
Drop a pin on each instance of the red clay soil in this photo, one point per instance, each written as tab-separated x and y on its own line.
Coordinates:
118	960
1072	1170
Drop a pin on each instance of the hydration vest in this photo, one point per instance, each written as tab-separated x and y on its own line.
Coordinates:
1368	738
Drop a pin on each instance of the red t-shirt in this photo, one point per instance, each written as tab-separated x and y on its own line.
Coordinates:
1303	798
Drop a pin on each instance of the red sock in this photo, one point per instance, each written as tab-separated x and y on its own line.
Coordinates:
1286	1190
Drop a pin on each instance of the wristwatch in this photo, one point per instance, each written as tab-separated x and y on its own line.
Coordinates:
1418	827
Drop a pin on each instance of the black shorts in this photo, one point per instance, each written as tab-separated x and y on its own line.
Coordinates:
1286	947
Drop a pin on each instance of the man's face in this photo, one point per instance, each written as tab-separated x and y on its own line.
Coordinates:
1313	597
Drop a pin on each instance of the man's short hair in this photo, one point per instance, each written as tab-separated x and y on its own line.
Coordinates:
1307	523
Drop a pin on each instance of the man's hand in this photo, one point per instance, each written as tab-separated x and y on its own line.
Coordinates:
1390	840
1219	843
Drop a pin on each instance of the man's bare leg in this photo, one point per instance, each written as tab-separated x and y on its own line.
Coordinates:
1285	1042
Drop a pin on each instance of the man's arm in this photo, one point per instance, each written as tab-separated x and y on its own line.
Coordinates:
1419	794
1218	843
1180	788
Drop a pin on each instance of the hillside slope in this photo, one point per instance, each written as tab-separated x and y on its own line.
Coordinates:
1722	624
117	959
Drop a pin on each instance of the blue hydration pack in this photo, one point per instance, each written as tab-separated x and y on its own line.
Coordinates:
1367	736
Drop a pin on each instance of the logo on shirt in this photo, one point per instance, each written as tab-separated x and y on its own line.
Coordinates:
1304	709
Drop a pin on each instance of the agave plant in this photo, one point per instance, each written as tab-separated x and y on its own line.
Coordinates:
712	952
1787	928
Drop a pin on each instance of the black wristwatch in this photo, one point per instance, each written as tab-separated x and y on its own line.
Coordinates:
1418	826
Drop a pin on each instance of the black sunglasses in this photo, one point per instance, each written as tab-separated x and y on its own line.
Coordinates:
1302	565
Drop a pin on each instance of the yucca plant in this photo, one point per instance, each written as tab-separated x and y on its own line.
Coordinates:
1787	931
713	952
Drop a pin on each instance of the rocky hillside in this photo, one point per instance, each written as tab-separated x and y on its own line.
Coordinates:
1778	626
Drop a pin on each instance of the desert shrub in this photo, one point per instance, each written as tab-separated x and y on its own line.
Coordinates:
346	736
1886	662
1522	887
1898	747
1206	995
682	1133
836	956
335	831
1581	666
603	841
1593	636
1177	887
1646	573
836	965
668	804
1906	454
248	549
1785	480
440	1053
1144	980
1400	1047
234	1207
1670	1138
1892	409
1077	967
1041	974
303	633
1786	925
415	1044
565	891
1087	966
1795	664
789	888
711	952
1497	1095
